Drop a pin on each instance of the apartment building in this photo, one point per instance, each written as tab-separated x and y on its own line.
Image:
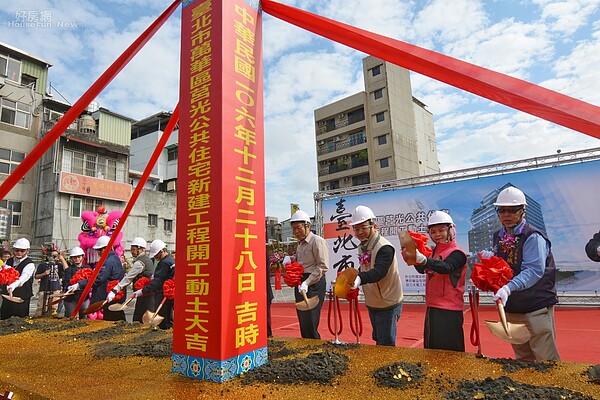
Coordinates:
381	134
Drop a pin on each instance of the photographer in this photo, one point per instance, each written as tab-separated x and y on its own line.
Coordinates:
50	274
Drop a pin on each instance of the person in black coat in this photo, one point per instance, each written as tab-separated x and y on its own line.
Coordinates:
165	269
111	270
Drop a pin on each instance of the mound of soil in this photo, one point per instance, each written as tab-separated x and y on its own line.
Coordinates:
320	368
504	388
99	360
510	365
399	375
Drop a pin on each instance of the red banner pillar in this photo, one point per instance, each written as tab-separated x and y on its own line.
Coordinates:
220	306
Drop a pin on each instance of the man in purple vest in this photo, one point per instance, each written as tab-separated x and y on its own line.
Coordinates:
529	297
22	287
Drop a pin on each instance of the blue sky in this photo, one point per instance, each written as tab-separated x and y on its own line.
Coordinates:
555	44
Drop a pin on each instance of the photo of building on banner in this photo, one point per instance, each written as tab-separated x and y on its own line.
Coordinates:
559	203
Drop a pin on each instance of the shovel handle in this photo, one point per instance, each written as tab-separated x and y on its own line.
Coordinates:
503	317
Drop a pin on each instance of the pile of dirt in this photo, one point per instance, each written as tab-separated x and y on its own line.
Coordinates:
504	388
321	367
510	365
119	360
399	375
594	374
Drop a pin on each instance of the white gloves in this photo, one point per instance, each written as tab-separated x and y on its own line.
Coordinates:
73	287
137	293
303	287
356	282
502	294
12	286
421	259
486	254
110	296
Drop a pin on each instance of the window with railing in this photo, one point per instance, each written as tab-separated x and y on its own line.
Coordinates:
96	166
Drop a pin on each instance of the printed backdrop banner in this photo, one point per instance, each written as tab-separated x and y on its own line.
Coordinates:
562	202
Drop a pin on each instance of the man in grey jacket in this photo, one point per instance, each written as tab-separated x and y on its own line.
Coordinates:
142	267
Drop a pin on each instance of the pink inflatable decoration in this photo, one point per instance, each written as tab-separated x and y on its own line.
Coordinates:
96	224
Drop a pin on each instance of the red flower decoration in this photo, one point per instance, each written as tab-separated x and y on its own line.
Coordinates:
81	275
8	275
111	285
143	281
421	242
491	274
169	289
293	274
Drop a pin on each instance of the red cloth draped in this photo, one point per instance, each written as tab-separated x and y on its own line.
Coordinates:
293	274
421	242
8	275
81	275
111	285
491	274
277	279
140	283
169	289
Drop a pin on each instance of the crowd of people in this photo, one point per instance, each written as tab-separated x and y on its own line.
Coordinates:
529	297
62	283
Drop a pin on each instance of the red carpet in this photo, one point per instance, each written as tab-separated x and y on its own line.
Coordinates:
577	329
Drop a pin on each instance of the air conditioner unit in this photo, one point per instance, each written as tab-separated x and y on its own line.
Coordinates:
171	186
322	142
337	138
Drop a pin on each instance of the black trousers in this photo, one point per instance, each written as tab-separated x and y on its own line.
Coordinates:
444	329
309	320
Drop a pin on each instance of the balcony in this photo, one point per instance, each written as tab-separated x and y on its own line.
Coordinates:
343	166
339	145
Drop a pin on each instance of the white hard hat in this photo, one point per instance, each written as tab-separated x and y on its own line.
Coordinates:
300	216
156	246
511	196
76	251
439	217
102	242
362	214
139	242
21	243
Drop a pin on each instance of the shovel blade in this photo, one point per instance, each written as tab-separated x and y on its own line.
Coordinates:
118	307
409	248
94	307
307	304
13	299
517	333
152	318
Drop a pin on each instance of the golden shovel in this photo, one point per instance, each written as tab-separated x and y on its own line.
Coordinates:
13	299
344	282
409	248
152	318
121	306
307	304
94	307
504	330
61	296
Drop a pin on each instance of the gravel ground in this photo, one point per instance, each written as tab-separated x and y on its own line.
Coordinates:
121	360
